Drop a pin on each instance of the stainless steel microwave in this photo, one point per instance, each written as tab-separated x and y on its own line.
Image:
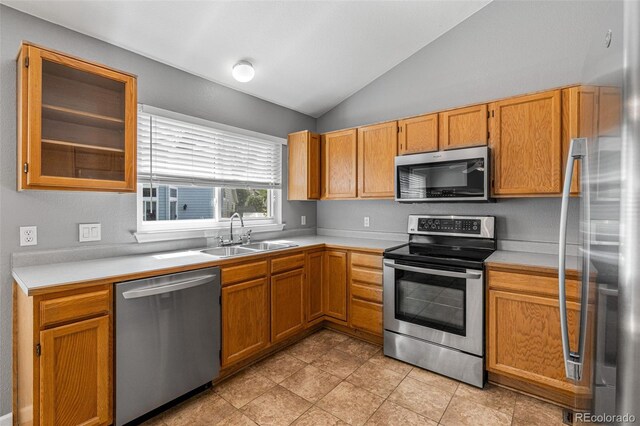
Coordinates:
457	175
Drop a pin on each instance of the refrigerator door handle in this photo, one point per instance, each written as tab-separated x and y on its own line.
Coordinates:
573	361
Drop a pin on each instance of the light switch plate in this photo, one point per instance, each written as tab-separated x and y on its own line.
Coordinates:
89	232
303	220
28	235
366	221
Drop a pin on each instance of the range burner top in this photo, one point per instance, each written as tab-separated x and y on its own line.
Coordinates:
463	257
453	241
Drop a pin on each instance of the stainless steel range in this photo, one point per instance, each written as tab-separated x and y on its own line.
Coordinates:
434	295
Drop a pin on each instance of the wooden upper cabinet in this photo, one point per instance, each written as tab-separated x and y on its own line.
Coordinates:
287	304
304	166
526	142
339	158
377	149
76	124
335	284
579	120
463	127
245	320
418	134
75	373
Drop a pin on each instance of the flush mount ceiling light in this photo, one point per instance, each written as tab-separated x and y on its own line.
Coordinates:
243	71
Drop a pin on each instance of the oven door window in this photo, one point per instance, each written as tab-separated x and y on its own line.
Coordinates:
462	178
431	300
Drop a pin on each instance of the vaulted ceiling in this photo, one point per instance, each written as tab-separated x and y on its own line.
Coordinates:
308	55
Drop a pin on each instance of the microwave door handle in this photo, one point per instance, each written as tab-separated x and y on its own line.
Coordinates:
430	271
573	361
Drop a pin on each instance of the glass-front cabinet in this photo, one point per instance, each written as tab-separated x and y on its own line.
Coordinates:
76	124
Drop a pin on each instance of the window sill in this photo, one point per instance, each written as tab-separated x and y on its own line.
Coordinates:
184	234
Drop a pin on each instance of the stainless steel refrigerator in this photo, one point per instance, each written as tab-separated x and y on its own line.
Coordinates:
604	361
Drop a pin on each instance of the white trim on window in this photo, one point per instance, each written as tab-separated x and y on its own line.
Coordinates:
162	230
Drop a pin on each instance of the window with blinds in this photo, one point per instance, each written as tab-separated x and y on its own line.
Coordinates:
196	175
175	152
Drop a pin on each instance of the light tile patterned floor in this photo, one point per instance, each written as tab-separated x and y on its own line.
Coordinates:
332	379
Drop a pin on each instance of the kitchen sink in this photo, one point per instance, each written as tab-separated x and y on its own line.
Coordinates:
228	251
246	249
267	245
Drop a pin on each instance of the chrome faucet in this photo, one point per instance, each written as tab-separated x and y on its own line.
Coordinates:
233	216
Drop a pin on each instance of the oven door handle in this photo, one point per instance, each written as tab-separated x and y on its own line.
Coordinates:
439	272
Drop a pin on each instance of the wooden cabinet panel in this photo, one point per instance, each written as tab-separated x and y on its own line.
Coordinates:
335	284
245	320
526	144
287	304
463	127
579	120
286	263
243	272
365	288
366	316
75	374
537	284
304	166
524	339
366	292
609	111
524	347
366	260
77	124
315	280
75	306
418	134
339	158
377	150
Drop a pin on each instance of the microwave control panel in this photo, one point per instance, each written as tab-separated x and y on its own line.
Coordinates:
453	226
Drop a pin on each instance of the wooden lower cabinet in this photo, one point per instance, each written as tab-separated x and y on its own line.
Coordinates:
287	304
245	319
315	274
365	289
75	367
63	357
524	346
334	291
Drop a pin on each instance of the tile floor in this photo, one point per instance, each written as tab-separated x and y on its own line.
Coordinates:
332	379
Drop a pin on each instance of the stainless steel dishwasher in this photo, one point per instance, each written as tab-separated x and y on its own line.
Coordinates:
167	339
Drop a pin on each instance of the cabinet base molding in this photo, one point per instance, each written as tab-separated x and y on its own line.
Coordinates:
358	334
554	396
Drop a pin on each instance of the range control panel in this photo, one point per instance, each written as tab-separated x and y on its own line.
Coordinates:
456	226
472	226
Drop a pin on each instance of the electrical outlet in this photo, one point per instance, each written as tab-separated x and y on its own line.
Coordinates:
89	232
303	220
366	221
28	235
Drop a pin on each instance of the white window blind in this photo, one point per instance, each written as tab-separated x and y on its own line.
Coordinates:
178	152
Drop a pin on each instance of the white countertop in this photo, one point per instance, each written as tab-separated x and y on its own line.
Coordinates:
541	260
32	278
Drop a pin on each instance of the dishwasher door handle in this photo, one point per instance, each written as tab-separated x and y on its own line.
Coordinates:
174	286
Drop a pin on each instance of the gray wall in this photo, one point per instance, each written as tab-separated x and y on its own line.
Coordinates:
505	49
57	213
